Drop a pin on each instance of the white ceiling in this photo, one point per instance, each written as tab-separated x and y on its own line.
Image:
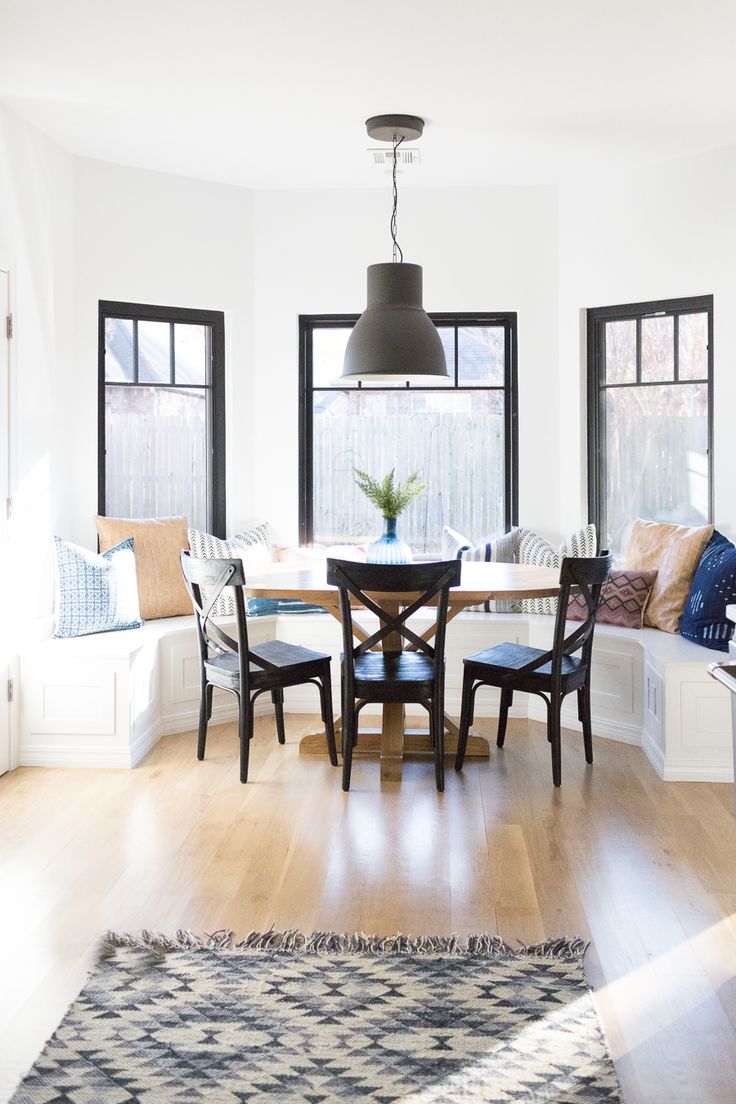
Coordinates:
274	94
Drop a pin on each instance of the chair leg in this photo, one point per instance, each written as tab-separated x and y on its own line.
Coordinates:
348	740
466	719
554	736
584	714
210	691
245	733
277	697
507	698
438	714
204	715
325	697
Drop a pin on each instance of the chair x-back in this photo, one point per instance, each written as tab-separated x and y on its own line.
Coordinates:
552	674
394	663
244	670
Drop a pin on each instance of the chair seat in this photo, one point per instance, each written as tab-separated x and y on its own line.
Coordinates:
504	659
391	667
282	662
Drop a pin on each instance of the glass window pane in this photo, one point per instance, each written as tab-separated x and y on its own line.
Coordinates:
455	439
156	453
657	349
657	458
119	350
621	351
480	355
447	337
693	346
328	353
154	352
190	353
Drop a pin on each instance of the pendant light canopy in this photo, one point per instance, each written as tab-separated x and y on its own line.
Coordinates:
394	339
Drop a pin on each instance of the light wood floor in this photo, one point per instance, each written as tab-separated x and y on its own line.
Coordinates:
646	869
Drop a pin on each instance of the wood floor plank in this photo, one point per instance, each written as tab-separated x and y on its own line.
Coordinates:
645	869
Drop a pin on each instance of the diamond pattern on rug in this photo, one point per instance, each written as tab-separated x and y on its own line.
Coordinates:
159	1023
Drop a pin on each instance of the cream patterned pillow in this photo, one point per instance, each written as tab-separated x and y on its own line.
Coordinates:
534	549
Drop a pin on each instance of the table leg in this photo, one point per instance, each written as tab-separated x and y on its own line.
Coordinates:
392	742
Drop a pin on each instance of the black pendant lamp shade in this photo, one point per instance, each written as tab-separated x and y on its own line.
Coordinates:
394	339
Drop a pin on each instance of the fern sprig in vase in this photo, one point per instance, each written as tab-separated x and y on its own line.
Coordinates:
392	497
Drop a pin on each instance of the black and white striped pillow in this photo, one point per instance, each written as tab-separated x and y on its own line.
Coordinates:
534	549
501	549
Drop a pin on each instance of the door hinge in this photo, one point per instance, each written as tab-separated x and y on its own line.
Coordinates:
9	326
10	690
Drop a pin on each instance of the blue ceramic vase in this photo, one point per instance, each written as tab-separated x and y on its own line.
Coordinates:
388	549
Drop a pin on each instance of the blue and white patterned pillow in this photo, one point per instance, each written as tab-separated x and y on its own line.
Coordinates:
713	590
95	594
501	549
534	549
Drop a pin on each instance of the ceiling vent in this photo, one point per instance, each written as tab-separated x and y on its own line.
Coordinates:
384	158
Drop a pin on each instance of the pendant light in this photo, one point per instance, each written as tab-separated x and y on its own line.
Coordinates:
394	339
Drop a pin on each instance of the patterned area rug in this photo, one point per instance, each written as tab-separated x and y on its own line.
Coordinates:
327	1019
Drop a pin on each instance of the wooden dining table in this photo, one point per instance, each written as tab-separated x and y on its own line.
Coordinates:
479	582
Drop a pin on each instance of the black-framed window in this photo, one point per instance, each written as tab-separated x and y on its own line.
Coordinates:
162	413
461	435
650	415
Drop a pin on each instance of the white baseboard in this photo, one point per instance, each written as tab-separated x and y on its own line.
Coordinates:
607	729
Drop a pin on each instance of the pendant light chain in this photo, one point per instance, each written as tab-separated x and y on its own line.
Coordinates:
398	253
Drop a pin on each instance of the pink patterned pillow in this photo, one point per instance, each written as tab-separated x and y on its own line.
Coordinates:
625	597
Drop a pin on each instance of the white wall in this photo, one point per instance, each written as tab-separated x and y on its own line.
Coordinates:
37	247
481	249
656	234
147	237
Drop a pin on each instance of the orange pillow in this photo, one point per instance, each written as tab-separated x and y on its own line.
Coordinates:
157	543
674	552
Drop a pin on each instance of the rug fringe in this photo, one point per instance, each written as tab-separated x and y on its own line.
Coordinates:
294	941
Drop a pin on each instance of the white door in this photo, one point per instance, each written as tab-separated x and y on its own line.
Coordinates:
5	659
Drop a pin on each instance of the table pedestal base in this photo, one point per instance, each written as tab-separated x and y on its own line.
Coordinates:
393	743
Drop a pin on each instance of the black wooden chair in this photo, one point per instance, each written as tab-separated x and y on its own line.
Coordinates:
247	671
393	674
553	674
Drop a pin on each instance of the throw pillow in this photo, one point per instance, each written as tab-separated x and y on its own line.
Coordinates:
623	601
253	557
714	587
674	552
157	544
206	547
95	594
534	549
258	536
501	549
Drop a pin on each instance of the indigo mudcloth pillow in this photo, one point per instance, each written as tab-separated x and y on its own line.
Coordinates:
713	588
623	602
95	594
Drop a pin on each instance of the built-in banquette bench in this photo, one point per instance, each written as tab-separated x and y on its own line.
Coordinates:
104	700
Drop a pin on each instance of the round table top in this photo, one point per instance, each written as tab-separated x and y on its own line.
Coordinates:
478	583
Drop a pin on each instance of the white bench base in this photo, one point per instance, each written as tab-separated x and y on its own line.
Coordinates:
104	701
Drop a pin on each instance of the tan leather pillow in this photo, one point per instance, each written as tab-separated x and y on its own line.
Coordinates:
157	543
674	552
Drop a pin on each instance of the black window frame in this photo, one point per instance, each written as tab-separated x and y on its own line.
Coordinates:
215	386
597	317
508	319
